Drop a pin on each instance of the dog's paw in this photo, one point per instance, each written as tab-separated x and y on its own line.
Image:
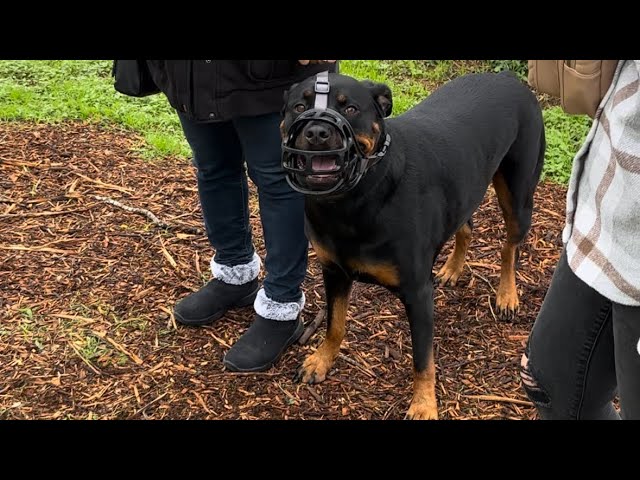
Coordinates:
314	369
507	306
422	410
447	276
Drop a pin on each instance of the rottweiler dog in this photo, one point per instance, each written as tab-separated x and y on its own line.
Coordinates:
382	196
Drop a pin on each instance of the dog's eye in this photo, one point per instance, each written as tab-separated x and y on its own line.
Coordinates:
350	110
300	108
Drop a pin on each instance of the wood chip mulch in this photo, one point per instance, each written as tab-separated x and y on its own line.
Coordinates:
87	288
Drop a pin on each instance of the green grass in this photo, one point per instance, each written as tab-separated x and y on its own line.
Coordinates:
564	135
407	92
59	90
93	348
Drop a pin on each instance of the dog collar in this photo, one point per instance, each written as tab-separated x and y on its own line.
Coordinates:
373	159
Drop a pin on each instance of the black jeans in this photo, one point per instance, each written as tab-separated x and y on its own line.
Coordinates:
583	349
220	150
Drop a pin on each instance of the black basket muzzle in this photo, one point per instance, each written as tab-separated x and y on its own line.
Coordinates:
350	162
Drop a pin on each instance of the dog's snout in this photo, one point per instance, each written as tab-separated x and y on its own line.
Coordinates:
317	134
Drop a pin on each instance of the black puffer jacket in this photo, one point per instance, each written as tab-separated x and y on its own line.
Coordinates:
217	90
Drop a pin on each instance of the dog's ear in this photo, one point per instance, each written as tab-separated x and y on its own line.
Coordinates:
285	98
381	93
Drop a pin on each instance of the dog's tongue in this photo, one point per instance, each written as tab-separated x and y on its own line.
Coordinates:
324	163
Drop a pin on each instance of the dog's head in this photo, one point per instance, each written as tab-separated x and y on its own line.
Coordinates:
356	132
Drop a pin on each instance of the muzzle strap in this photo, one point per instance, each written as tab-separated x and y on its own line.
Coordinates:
322	91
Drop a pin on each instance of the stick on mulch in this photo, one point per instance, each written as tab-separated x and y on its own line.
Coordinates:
495	398
313	326
149	215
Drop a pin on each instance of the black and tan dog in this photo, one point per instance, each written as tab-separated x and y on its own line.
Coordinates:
382	197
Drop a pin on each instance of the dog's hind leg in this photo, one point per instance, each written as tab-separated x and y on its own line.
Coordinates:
507	301
515	184
452	269
419	308
337	288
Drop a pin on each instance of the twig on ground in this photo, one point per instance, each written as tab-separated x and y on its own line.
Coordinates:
154	219
310	330
495	398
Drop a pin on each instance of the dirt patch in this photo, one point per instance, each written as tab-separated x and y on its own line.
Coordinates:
86	289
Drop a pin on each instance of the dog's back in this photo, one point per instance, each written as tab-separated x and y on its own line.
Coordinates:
474	96
458	137
473	116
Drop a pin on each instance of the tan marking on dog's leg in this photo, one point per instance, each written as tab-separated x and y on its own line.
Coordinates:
507	301
454	265
423	405
507	297
316	366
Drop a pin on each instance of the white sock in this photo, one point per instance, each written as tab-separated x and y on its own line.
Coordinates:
237	274
268	308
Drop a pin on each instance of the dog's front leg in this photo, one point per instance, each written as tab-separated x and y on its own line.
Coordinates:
337	288
419	308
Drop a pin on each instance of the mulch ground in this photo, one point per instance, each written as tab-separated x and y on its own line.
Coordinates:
86	291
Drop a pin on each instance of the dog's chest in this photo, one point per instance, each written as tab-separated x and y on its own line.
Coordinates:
362	267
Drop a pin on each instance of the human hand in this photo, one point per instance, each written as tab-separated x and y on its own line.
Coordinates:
311	62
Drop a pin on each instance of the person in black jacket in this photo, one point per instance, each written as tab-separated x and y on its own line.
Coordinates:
230	114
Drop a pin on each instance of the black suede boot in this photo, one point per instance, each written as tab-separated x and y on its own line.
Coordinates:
260	347
213	300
